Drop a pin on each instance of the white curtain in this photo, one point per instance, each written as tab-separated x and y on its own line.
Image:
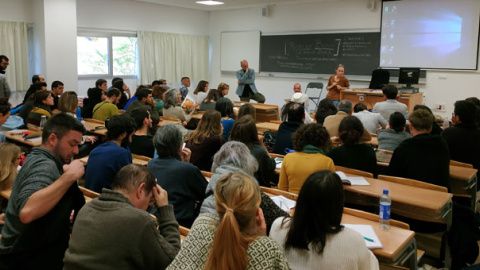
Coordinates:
172	56
13	44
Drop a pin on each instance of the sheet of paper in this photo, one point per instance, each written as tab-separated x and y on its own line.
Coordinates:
354	180
278	162
34	140
366	231
284	203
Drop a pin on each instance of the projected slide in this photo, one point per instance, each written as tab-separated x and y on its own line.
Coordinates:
430	34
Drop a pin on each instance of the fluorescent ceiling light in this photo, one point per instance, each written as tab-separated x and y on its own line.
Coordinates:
210	2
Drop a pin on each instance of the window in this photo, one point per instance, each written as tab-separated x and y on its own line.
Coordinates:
106	54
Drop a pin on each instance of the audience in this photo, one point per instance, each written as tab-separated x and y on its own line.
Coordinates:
142	143
225	107
424	157
171	108
390	105
371	121
310	142
183	181
95	96
436	129
476	101
463	139
158	93
332	122
298	98
206	140
107	108
390	138
223	88
184	88
108	158
102	84
295	116
234	237
209	102
314	237
44	194
37	80
247	109
124	90
9	160
114	231
41	106
325	108
200	92
244	130
57	91
145	101
352	153
4	115
28	103
235	157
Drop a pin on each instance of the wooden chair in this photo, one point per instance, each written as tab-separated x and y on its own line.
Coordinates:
166	118
460	164
207	175
411	182
278	192
88	193
353	171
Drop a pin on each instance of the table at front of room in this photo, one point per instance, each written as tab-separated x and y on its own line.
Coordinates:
264	112
371	96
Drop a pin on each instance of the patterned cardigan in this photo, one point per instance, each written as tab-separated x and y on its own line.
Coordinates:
263	253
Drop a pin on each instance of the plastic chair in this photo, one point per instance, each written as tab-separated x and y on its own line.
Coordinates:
314	97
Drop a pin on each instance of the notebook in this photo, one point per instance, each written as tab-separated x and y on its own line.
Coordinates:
371	239
352	180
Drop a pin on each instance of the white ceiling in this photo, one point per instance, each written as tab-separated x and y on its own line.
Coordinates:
229	4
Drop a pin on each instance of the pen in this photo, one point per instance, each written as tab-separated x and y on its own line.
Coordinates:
368	239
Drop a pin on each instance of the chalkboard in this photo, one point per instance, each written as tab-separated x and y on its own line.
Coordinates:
320	53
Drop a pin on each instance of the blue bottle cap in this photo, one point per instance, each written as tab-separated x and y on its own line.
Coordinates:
385	191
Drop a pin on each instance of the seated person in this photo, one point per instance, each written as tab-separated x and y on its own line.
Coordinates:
200	92
424	157
107	108
9	161
314	237
352	153
476	101
370	120
125	94
244	130
463	139
310	142
158	92
171	108
297	88
225	107
206	140
142	143
4	115
140	241
325	108
28	104
332	122
390	138
95	96
57	91
390	105
299	99
436	129
145	100
223	88
295	116
209	102
41	106
235	235
37	80
247	109
235	157
183	181
110	157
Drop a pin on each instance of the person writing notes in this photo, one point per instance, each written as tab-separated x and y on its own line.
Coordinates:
336	83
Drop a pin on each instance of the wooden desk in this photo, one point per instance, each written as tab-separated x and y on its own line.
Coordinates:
95	127
198	115
371	96
264	126
167	120
264	112
19	138
136	159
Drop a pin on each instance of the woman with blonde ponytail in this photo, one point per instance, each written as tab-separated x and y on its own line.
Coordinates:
236	238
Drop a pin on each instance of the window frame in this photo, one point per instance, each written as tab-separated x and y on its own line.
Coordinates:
109	34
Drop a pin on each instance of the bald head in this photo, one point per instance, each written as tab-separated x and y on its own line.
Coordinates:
244	64
297	88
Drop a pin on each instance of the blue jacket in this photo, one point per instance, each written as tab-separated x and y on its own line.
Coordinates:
246	78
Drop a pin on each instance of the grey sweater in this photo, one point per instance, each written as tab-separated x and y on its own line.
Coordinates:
111	233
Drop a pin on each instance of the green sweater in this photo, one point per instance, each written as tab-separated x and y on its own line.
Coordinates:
104	110
111	233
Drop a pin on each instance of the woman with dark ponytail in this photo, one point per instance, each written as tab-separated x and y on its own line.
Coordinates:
353	154
236	238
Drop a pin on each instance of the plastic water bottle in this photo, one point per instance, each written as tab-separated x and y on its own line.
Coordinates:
43	120
385	204
79	114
